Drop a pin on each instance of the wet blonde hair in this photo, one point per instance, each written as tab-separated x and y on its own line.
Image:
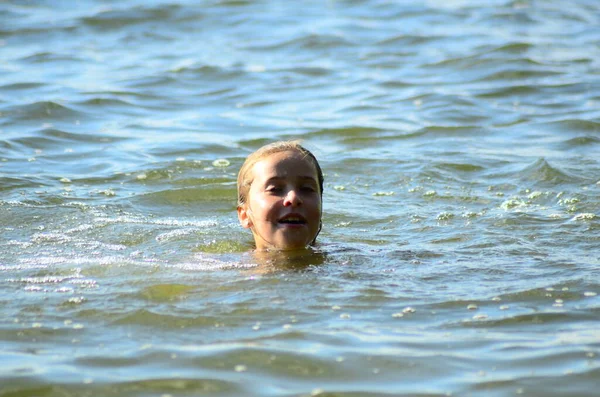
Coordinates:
245	176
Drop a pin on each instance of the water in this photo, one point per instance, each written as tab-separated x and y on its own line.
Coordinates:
459	251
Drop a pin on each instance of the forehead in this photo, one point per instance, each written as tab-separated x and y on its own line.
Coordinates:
284	164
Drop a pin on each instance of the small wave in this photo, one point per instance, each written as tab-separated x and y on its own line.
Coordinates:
542	172
150	318
311	42
46	57
581	141
149	221
121	19
44	110
573	125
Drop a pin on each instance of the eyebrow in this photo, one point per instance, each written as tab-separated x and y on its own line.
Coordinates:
301	177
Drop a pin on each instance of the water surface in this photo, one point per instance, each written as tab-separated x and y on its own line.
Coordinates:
459	254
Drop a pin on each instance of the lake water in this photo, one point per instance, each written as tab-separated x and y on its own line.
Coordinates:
460	250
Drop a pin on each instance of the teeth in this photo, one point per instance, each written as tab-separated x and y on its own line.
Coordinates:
291	220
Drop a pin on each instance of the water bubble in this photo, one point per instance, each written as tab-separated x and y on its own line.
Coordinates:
480	317
336	307
180	159
345	316
496	298
584	216
444	216
398	315
408	310
380	194
339	187
141	177
256	68
77	300
472	306
221	163
512	203
65	180
430	193
240	368
317	392
36	325
589	293
504	307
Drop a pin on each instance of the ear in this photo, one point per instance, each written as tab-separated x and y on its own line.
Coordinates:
243	217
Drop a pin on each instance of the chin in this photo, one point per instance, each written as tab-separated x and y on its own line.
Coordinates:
292	246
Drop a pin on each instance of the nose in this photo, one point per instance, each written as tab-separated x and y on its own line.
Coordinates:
292	198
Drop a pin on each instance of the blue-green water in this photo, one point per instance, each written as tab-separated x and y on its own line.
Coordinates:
461	148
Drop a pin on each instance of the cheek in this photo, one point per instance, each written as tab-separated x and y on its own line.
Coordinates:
263	205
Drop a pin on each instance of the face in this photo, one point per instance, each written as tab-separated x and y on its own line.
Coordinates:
283	207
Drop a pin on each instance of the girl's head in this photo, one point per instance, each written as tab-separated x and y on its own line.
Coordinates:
280	189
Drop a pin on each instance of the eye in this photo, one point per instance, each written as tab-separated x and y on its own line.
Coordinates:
308	189
274	189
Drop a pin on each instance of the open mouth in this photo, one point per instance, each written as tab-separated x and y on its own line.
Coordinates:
293	220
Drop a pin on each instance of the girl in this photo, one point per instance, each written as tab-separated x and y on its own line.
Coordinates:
280	196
